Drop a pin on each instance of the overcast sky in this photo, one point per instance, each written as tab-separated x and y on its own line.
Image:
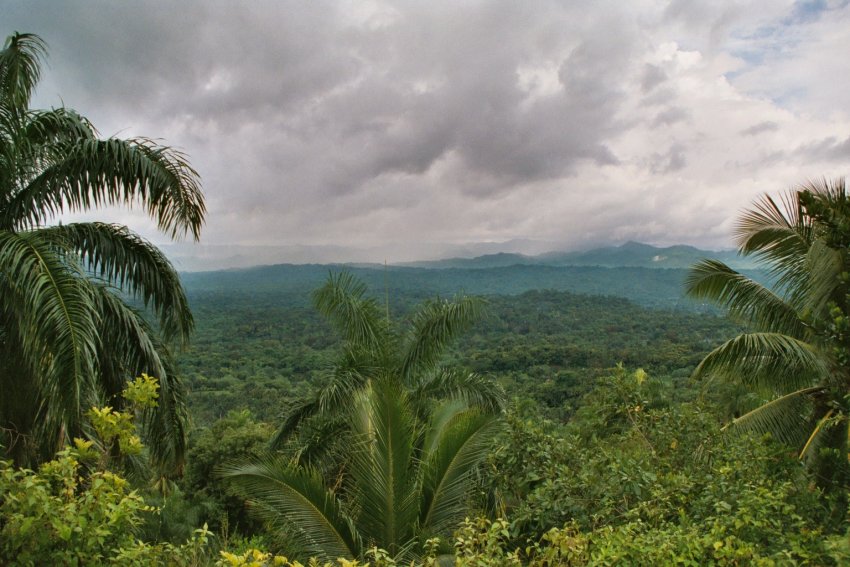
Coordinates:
364	123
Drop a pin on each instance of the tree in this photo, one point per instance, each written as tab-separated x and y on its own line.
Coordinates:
68	338
798	355
387	449
375	349
407	479
235	436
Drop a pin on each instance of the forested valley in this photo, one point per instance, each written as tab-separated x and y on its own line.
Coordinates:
255	348
471	413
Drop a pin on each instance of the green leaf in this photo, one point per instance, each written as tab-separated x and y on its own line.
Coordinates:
296	501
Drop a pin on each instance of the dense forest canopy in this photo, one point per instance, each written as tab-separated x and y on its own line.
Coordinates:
256	351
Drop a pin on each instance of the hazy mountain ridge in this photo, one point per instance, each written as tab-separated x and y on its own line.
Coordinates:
197	257
630	254
645	274
192	257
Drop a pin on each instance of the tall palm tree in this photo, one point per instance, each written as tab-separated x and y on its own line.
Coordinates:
375	348
798	355
68	338
407	479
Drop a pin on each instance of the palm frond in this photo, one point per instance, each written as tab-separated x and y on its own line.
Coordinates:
435	325
743	297
300	412
381	465
440	418
20	68
765	360
780	234
815	440
39	284
473	389
341	390
175	200
786	417
89	173
126	345
44	128
330	400
826	202
69	340
296	500
115	254
28	142
458	441
129	347
323	444
166	426
341	300
825	266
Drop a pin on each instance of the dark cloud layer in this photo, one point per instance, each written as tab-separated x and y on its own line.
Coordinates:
368	122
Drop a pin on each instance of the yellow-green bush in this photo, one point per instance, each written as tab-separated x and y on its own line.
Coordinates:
58	516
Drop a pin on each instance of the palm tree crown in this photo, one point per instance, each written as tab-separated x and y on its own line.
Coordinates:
797	358
389	447
407	478
375	349
68	339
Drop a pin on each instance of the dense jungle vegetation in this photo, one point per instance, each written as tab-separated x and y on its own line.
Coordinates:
503	415
257	350
609	453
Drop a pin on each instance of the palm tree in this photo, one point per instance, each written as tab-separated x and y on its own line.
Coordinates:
68	338
375	349
797	356
407	479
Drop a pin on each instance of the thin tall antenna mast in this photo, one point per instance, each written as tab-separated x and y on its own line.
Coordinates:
386	292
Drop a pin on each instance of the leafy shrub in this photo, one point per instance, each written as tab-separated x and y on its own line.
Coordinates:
75	511
58	516
633	476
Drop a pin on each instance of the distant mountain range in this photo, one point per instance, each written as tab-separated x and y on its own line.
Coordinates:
198	257
189	257
628	255
648	275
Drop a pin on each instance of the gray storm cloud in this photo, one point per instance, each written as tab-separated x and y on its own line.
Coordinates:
367	123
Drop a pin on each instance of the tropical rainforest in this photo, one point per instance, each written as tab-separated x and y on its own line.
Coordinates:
481	413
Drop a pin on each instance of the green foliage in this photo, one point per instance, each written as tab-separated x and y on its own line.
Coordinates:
375	349
257	558
60	516
76	511
405	479
482	543
386	449
722	541
797	357
634	476
236	437
263	352
68	339
55	517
